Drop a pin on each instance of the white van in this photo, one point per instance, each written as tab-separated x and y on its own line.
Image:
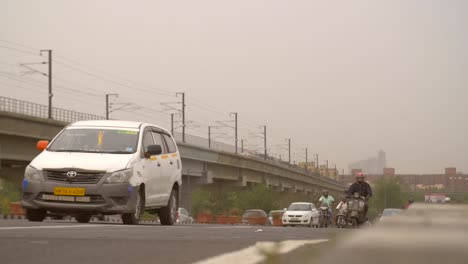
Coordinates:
105	167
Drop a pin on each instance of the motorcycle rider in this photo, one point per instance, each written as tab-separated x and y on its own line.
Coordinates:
341	208
364	190
328	200
409	203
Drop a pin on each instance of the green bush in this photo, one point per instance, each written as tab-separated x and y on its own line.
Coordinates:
387	193
9	193
220	201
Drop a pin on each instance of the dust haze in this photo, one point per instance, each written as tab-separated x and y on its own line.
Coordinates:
344	79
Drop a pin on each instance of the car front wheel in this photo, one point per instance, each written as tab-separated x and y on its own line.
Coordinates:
134	218
168	214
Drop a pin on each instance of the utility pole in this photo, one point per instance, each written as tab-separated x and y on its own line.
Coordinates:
289	151
326	171
209	136
242	146
306	160
235	128
50	80
265	141
107	104
183	115
172	123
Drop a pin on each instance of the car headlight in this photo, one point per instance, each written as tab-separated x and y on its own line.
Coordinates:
32	174
122	176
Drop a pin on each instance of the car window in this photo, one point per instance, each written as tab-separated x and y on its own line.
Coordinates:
159	141
170	143
147	140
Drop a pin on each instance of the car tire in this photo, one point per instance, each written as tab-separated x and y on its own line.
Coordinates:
83	218
35	215
311	222
134	218
167	214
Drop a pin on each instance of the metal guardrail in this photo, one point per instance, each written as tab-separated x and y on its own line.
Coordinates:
37	110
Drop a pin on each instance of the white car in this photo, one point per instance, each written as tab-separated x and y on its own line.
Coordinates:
105	167
301	214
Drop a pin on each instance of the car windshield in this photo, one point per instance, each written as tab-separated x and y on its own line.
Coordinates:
252	214
96	140
299	207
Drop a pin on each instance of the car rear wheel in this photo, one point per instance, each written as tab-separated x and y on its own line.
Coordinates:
35	215
168	214
83	218
134	218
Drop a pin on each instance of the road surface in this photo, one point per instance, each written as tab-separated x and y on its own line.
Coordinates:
68	242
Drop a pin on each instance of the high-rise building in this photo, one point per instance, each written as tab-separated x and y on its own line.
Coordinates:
372	165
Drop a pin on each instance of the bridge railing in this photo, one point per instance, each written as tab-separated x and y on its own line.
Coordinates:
42	111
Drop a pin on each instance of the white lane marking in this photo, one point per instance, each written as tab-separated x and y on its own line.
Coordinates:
256	253
50	227
228	227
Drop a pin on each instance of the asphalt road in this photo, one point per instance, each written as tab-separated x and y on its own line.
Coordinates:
99	242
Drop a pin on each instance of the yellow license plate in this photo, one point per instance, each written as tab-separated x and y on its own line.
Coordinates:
69	191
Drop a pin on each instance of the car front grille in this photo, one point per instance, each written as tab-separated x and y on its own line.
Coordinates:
85	177
93	199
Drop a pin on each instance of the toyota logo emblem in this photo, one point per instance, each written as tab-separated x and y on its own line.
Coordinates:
71	174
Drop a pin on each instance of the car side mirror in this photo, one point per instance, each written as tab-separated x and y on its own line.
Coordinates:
153	150
42	144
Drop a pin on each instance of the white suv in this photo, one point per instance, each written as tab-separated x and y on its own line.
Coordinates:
105	167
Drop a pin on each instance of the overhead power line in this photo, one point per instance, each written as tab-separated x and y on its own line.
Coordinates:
19	50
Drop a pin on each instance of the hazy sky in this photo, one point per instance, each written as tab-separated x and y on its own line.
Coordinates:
344	78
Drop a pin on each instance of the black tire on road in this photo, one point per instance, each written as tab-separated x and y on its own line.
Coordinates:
134	218
83	218
168	214
36	215
354	222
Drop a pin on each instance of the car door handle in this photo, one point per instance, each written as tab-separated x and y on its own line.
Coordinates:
159	164
171	162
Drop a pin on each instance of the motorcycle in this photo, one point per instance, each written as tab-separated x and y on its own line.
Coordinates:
341	216
324	216
356	215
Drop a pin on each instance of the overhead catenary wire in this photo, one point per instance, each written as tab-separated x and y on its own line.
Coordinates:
137	89
19	50
166	92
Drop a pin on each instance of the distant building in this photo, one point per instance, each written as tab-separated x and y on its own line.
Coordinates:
450	181
373	165
310	166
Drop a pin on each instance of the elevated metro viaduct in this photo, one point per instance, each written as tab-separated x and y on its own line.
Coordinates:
19	134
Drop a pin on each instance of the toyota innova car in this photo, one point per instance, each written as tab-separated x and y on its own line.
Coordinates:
105	167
